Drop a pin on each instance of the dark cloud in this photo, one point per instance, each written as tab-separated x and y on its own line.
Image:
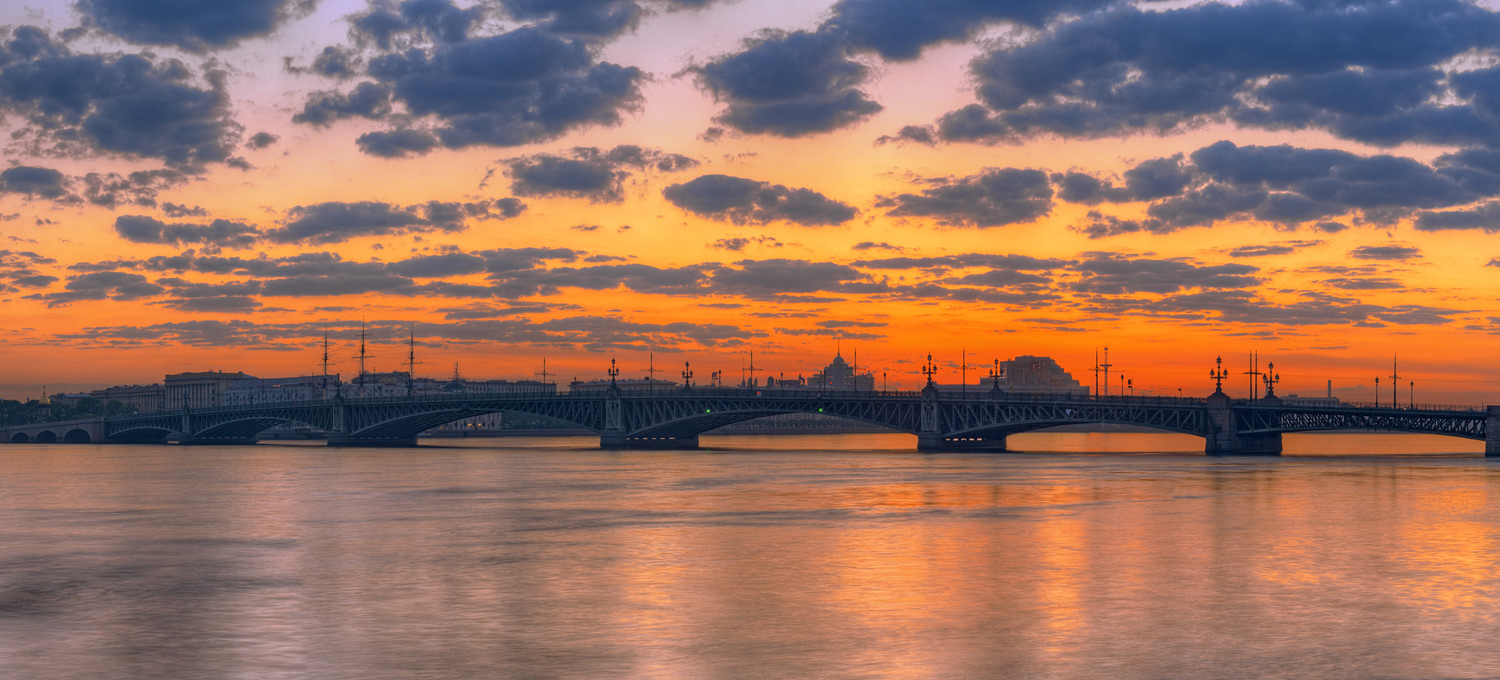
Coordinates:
105	285
799	83
1269	250
1385	253
138	188
261	140
439	266
1112	274
35	280
1485	216
124	104
366	100
913	134
789	84
1077	187
397	143
336	62
18	270
734	244
1307	308
171	209
1100	225
34	181
411	21
221	233
1366	283
192	26
993	198
587	333
588	172
873	245
776	277
899	30
967	260
507	208
1285	185
334	222
585	18
1157	178
748	201
1363	71
520	87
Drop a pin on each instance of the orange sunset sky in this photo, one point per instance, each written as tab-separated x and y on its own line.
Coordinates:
214	187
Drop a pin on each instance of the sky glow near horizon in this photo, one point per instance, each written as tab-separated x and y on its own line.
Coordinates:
1316	180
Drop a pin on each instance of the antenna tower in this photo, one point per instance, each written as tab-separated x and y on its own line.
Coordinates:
1254	372
411	360
1395	383
1104	368
325	363
544	372
651	371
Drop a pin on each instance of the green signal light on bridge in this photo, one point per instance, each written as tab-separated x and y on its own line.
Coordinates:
708	410
820	410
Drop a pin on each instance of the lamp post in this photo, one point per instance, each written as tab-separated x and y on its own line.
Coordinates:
1218	375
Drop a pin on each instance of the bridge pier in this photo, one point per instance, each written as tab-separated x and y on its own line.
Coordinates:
928	442
615	441
1226	440
1492	432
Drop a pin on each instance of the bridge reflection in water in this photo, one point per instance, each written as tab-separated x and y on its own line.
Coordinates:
941	421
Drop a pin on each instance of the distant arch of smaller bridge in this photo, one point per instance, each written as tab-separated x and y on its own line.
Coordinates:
78	436
46	437
142	434
20	438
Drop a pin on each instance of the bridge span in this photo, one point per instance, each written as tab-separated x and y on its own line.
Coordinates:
941	421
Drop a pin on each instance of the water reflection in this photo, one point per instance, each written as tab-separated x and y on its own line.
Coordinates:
828	557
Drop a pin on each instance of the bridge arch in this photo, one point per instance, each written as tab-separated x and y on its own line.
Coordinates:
688	427
410	425
245	428
145	434
78	435
20	438
1008	429
46	437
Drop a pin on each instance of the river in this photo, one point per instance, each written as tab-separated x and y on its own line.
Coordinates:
841	556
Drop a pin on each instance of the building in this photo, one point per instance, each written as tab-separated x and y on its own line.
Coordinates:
145	398
837	376
69	399
278	390
1024	374
478	387
199	390
389	384
633	385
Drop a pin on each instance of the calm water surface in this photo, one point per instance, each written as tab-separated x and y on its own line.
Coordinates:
763	557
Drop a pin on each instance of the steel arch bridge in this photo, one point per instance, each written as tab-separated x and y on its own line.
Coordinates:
948	421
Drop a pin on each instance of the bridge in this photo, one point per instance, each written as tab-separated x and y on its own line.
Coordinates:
629	419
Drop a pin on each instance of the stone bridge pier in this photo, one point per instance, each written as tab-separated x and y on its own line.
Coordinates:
1225	439
1492	432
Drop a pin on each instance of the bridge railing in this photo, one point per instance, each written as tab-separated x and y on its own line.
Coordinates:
949	395
1386	406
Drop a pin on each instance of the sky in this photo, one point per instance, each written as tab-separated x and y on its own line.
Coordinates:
215	185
